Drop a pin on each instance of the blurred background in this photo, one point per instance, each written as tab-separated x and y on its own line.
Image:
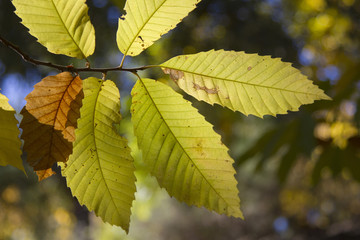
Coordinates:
298	173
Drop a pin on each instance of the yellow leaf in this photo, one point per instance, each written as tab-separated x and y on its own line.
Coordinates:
10	153
249	83
146	21
62	26
100	172
182	150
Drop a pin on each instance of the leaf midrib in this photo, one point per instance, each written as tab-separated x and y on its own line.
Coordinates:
96	149
59	105
238	82
142	27
63	23
53	132
49	155
212	187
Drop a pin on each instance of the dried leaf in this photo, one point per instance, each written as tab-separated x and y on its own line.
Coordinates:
49	121
43	174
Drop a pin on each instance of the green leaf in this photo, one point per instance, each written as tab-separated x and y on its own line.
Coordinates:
10	144
146	21
254	149
249	83
100	172
329	157
286	163
182	150
62	26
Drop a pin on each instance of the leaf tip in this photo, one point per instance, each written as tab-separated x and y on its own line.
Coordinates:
325	97
238	214
44	174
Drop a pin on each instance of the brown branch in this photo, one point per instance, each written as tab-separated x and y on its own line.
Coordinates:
69	68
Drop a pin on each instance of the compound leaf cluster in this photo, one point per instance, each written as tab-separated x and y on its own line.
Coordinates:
73	122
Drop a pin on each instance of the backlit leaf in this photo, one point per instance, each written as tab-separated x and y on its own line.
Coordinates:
10	144
49	122
62	26
182	150
43	174
249	83
146	21
100	172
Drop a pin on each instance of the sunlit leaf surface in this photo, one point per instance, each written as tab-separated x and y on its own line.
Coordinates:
249	83
62	26
182	150
100	172
146	21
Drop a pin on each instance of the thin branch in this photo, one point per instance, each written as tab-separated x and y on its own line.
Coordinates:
69	68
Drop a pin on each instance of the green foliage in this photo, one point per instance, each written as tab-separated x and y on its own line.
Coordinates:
284	141
328	134
9	136
179	147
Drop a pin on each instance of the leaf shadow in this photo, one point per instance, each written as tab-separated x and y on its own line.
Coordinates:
73	116
43	143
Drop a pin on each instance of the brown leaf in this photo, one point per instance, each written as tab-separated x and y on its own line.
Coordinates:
56	101
50	120
43	174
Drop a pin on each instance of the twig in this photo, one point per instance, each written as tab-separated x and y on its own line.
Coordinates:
68	68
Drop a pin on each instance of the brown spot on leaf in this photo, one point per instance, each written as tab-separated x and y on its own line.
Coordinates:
249	68
207	90
174	74
199	148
